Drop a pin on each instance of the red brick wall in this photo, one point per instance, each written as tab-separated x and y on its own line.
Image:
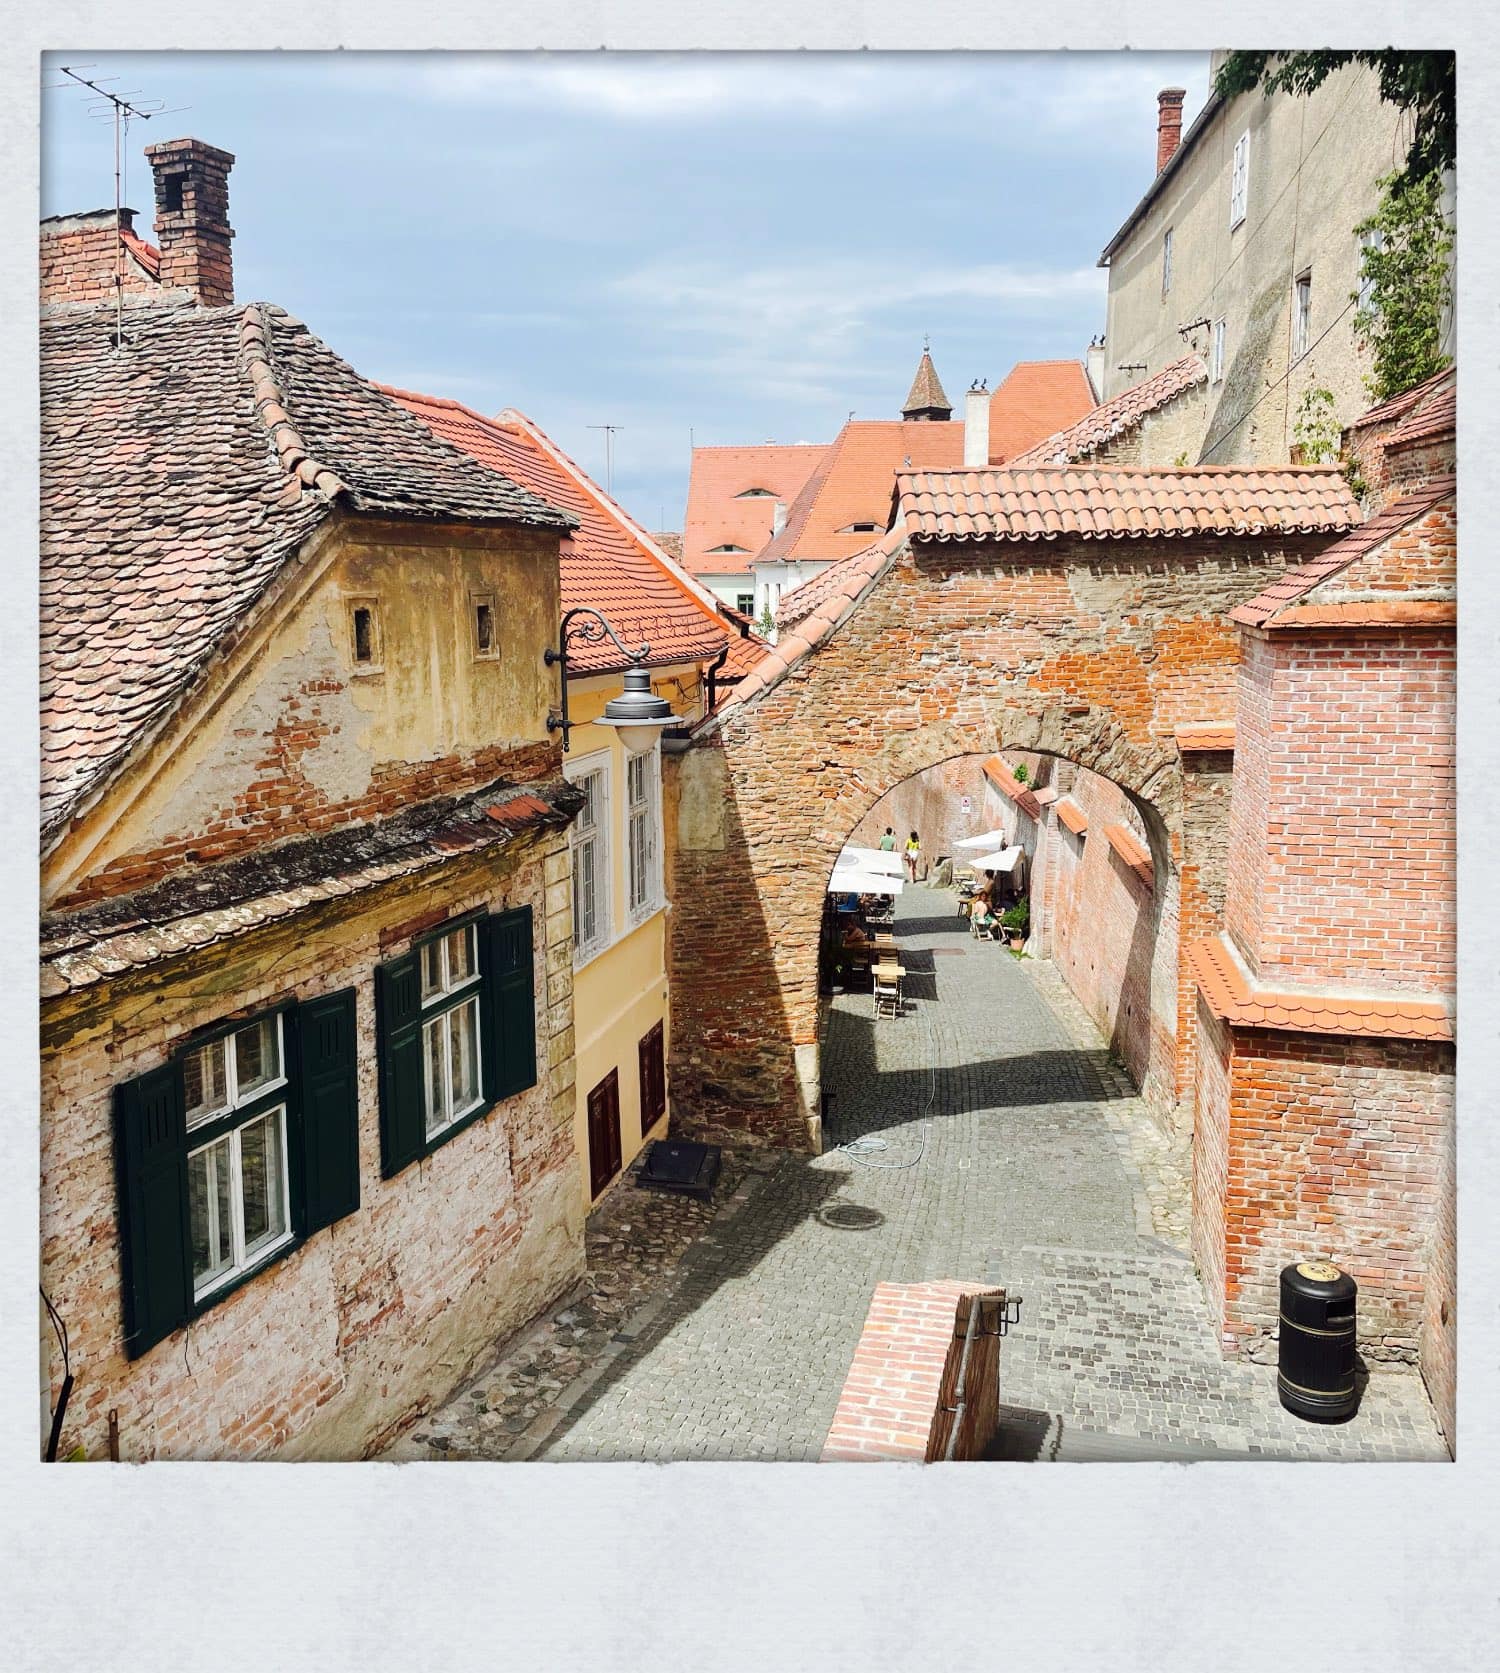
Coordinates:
1334	1150
375	1317
79	258
1353	787
1438	1337
1211	1153
932	805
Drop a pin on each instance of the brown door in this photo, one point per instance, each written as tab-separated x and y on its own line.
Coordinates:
604	1132
653	1079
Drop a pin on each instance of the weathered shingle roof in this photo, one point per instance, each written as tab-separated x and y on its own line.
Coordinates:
926	390
236	896
179	472
610	562
1115	416
1106	502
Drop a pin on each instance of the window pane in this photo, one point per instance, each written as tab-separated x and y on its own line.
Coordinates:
208	1213
463	1055
584	917
432	969
433	1035
460	956
205	1083
256	1057
262	1168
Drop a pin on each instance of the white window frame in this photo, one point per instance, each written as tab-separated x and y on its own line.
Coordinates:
599	835
1166	261
643	884
1371	239
443	1002
1216	351
1239	180
233	1098
1301	313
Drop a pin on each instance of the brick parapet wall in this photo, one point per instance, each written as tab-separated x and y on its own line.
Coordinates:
79	259
900	1397
1085	652
374	1319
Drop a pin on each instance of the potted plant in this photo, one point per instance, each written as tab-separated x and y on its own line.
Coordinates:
1015	920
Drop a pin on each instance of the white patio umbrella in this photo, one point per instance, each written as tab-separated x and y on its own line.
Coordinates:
1005	859
868	859
988	840
850	880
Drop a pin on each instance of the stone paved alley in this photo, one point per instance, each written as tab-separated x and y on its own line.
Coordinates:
1005	1146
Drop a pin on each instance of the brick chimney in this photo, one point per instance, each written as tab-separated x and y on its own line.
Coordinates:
1168	124
977	426
192	219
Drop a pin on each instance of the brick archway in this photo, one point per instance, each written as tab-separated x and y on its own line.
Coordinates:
1094	651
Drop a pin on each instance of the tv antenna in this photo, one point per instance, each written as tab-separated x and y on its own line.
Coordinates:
121	109
609	454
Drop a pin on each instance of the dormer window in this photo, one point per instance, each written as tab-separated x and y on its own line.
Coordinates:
860	528
755	494
729	548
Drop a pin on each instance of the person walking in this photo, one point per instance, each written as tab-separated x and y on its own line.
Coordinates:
888	841
913	854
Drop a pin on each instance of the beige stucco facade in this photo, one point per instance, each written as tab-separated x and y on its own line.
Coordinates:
1313	167
291	713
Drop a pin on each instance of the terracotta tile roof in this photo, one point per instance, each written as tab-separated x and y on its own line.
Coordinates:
1436	416
1132	851
609	562
1035	399
854	482
234	897
1204	735
146	254
850	580
1399	405
1047	795
1114	417
1286	589
1000	775
833	582
718	515
926	390
670	543
1230	994
1072	816
178	475
1106	502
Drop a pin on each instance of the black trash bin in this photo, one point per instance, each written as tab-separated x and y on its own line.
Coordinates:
1315	1367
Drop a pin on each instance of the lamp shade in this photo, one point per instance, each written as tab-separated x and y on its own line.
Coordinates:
637	714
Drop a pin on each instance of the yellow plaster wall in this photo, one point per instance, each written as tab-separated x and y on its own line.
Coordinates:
430	696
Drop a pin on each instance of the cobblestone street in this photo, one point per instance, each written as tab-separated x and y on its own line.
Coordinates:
986	1134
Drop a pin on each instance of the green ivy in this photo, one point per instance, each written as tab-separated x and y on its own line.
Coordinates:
1316	431
1405	266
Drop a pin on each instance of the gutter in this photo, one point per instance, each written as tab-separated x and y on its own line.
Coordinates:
1210	109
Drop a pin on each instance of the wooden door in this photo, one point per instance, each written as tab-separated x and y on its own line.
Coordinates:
604	1132
653	1079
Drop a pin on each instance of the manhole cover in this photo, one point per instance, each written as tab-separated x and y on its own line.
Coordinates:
850	1217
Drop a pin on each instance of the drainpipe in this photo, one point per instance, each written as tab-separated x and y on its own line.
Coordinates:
712	669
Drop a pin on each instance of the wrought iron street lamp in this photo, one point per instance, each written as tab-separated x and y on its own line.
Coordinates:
637	714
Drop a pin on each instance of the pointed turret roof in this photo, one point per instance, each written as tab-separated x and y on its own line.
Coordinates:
925	398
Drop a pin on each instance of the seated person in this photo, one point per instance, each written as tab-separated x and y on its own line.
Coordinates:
982	913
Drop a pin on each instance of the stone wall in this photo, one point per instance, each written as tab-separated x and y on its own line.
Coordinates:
376	1318
932	805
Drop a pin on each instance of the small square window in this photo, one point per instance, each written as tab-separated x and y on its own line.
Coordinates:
486	627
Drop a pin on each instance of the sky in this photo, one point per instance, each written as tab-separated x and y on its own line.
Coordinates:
720	248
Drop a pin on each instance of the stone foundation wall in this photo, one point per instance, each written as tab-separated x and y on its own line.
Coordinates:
374	1319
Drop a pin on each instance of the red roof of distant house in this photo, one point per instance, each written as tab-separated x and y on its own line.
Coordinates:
1398	405
723	508
1114	417
1037	398
1106	501
1072	816
1230	994
610	562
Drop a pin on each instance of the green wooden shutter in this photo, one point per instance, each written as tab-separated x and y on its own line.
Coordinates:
151	1162
398	1012
324	1029
510	1004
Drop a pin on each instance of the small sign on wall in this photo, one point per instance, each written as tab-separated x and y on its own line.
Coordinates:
967	805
